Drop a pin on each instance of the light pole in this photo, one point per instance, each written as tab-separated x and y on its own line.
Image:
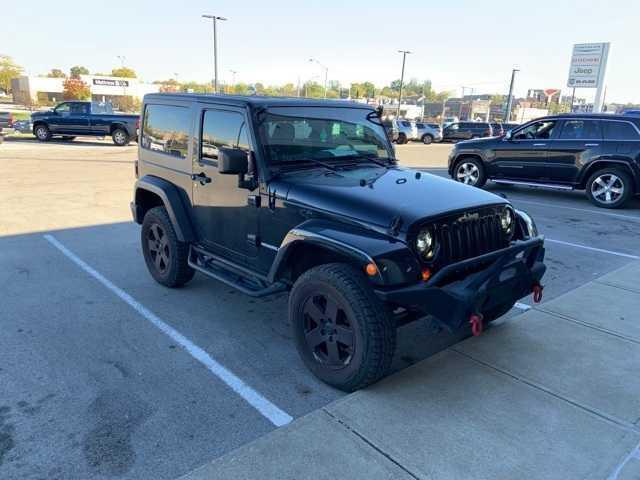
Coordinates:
404	58
214	20
326	74
233	77
507	112
122	59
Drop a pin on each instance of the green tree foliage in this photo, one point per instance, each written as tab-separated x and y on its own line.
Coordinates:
75	89
8	70
124	72
56	73
78	70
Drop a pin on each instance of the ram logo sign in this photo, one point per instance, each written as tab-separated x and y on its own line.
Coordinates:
588	64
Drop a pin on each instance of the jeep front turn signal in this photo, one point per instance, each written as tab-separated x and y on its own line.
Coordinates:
426	274
371	269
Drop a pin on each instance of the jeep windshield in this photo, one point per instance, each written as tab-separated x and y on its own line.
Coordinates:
298	136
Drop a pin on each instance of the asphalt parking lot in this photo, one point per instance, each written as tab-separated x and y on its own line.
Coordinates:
106	374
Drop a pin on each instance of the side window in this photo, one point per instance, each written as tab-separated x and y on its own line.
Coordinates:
165	129
619	131
536	131
580	130
222	129
63	109
79	108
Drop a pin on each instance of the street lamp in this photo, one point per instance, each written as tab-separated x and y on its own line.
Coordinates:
507	112
404	58
214	20
233	76
326	74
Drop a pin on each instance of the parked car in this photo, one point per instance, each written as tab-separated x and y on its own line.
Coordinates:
6	123
466	131
406	130
596	153
449	120
270	195
428	132
72	119
392	130
23	126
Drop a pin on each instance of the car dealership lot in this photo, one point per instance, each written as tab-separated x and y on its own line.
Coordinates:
96	387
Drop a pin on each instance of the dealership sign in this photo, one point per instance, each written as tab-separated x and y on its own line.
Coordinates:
110	82
588	65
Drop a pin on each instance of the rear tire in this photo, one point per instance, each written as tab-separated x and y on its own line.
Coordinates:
120	137
402	139
166	257
470	171
42	133
610	188
342	331
427	139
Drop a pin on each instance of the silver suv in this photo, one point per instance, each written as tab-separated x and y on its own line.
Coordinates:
406	130
428	132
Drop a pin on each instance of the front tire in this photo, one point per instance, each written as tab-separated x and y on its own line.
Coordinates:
470	171
120	137
166	257
402	139
609	188
427	139
42	133
342	330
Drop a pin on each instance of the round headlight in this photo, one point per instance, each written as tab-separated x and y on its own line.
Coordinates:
507	220
425	244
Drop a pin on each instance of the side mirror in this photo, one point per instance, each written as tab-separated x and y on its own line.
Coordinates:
232	161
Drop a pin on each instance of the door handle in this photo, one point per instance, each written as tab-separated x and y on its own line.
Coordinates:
201	177
591	144
539	144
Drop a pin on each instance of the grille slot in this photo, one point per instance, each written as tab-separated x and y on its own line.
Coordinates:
469	236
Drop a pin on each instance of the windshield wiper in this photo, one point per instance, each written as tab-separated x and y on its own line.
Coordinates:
369	158
307	161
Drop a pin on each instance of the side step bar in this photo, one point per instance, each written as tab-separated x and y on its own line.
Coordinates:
233	275
532	184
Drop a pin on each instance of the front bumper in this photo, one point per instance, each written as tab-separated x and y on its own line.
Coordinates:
475	285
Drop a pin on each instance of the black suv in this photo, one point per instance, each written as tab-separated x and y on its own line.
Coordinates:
466	131
593	152
272	195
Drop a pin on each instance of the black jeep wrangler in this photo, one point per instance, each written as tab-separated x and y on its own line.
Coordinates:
271	195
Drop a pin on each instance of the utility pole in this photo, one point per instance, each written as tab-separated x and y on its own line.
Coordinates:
507	113
214	20
326	74
404	58
233	77
573	98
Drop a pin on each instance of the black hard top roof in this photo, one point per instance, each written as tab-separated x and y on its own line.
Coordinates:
604	116
256	100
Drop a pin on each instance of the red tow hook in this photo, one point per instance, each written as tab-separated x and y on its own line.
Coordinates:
476	324
537	292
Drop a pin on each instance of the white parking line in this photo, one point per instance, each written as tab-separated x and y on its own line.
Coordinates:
522	306
593	249
270	411
586	210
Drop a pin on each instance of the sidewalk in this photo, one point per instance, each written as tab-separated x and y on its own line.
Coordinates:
553	393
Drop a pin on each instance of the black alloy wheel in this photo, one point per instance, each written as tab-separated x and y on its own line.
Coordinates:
158	245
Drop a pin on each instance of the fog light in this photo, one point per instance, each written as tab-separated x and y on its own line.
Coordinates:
371	269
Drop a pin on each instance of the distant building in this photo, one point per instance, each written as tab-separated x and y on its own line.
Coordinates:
43	90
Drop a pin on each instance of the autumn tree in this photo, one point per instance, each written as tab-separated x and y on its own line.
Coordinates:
75	89
56	73
124	72
8	71
78	70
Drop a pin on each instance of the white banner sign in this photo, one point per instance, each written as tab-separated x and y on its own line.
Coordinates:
588	64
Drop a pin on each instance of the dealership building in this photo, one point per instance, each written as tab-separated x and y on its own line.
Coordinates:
42	90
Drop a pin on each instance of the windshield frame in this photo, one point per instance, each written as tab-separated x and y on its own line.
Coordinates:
325	113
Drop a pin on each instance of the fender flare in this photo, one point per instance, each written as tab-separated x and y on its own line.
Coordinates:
358	245
171	198
593	166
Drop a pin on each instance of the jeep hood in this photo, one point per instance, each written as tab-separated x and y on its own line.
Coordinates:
385	195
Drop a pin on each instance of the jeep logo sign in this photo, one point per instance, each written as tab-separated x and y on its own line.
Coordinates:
588	64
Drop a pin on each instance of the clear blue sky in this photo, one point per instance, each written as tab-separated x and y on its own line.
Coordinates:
469	43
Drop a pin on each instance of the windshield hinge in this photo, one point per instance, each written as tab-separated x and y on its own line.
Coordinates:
396	223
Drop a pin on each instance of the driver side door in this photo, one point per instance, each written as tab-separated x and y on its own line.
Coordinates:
525	155
223	217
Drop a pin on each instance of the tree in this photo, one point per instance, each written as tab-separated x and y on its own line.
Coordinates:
56	73
124	72
8	71
75	89
78	70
